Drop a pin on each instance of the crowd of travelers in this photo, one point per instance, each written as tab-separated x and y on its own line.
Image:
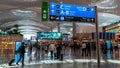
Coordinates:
58	49
74	48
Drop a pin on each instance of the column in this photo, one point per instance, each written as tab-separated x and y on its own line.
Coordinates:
58	27
74	29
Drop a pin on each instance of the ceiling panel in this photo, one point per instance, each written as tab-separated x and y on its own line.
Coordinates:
27	13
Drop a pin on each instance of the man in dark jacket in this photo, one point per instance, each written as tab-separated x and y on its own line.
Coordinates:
59	48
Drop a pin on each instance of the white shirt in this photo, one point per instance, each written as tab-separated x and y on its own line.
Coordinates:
83	45
52	47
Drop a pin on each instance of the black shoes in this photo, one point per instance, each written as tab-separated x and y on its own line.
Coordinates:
17	64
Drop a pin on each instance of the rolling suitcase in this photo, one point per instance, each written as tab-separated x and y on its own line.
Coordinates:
11	61
61	57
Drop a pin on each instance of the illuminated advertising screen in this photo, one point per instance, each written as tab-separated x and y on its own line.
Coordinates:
68	12
113	31
49	35
108	47
17	46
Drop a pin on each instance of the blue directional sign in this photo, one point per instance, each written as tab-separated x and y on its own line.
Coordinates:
67	12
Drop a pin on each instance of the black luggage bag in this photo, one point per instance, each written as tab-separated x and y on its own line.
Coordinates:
11	61
61	57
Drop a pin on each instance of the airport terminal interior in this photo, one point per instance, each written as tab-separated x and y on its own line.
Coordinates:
59	33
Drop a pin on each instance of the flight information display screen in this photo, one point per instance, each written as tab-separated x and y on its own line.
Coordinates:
68	12
104	35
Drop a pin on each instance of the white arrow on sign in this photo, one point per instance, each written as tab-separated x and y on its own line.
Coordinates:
44	11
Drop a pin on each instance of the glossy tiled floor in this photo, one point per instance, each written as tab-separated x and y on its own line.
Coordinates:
70	61
68	64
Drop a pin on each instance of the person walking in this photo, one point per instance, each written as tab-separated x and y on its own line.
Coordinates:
83	48
59	48
52	48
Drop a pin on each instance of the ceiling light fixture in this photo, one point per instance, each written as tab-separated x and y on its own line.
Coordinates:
106	4
24	13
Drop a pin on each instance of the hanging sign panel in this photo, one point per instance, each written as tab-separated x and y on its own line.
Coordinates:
49	35
68	12
44	11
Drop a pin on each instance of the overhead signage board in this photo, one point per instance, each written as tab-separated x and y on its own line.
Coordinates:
68	12
44	11
49	35
104	35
